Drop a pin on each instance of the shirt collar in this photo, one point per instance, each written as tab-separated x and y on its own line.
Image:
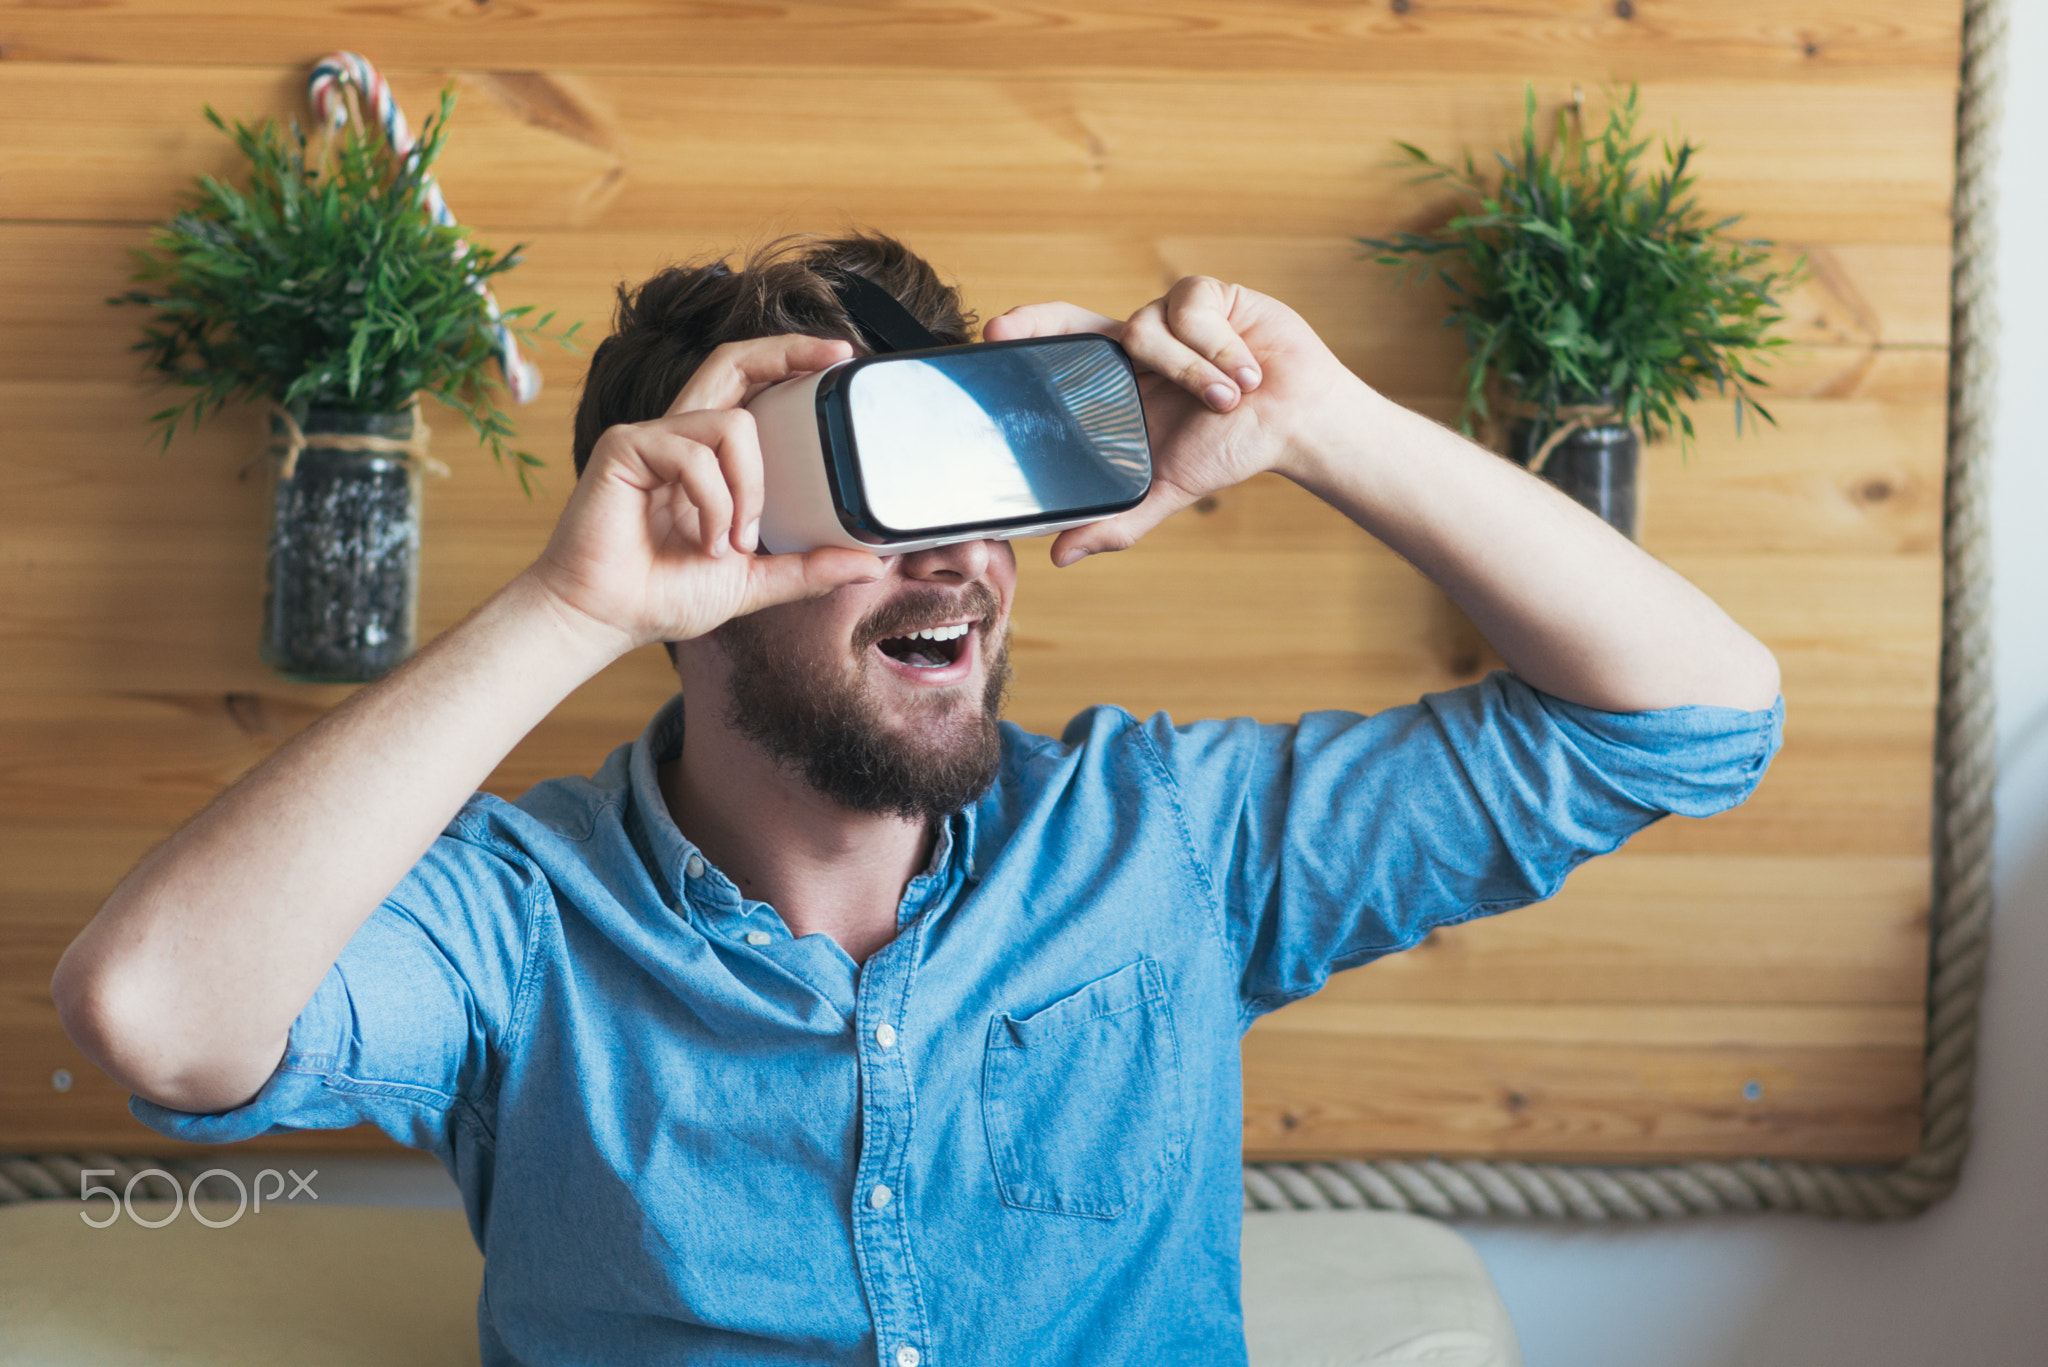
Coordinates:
669	852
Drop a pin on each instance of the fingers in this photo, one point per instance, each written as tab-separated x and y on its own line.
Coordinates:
776	579
1199	309
737	371
1047	320
694	468
739	461
712	458
1188	337
1121	532
650	535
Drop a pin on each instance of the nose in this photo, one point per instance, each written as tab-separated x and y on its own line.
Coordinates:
963	562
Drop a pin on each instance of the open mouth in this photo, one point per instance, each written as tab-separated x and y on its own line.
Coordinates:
931	648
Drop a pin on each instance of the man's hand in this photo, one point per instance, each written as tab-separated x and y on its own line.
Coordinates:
657	541
1234	383
185	986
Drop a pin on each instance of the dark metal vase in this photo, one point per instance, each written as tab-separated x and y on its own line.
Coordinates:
1595	465
341	591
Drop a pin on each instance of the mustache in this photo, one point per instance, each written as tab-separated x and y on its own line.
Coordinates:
926	606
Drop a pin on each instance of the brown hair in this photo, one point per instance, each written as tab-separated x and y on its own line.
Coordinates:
667	326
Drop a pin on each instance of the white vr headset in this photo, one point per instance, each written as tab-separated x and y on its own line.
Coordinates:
922	444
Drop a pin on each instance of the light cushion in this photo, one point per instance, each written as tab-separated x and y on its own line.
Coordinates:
1349	1288
370	1286
293	1286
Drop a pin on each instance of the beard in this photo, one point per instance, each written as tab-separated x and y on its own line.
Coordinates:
830	730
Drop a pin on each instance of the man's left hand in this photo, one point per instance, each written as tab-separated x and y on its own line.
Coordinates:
1233	383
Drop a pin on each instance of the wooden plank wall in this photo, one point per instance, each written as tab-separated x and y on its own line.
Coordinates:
1746	985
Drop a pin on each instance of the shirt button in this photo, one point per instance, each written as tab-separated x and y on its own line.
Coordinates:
885	1035
908	1356
695	868
879	1198
758	937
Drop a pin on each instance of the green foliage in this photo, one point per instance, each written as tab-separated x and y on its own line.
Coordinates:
326	285
1580	280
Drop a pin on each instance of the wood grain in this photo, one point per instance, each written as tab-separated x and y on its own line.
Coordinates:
1092	153
145	575
1681	930
91	1113
1577	1082
1872	300
1861	796
1676	930
719	157
1353	630
1858	476
1715	1026
1748	42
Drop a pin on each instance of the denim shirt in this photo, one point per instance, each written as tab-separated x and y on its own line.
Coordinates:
1013	1135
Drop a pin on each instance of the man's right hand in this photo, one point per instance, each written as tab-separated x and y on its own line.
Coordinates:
657	541
185	986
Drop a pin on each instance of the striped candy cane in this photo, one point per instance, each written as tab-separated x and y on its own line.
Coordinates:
325	91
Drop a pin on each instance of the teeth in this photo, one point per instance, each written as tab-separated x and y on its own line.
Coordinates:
952	633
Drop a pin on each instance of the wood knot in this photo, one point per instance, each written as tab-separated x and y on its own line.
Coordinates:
1873	491
1811	49
1399	6
551	104
1515	1102
1289	1120
1624	9
246	711
1208	503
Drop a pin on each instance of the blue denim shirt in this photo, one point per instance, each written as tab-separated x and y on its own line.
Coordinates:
1013	1136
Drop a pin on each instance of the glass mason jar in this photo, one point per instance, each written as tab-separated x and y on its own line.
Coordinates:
1595	465
341	588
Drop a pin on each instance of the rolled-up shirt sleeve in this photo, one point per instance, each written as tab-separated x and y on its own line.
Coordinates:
402	1031
1344	837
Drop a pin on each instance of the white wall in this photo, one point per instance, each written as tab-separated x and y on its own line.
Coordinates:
1967	1284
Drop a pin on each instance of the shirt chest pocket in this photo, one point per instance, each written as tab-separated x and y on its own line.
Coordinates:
1084	1101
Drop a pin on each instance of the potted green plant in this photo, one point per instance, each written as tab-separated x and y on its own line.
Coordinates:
336	290
1595	300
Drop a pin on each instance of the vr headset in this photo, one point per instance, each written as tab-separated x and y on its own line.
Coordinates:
923	444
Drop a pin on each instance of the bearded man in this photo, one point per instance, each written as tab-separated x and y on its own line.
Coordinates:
834	1021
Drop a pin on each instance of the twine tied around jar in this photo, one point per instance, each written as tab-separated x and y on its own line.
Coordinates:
1570	418
413	448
